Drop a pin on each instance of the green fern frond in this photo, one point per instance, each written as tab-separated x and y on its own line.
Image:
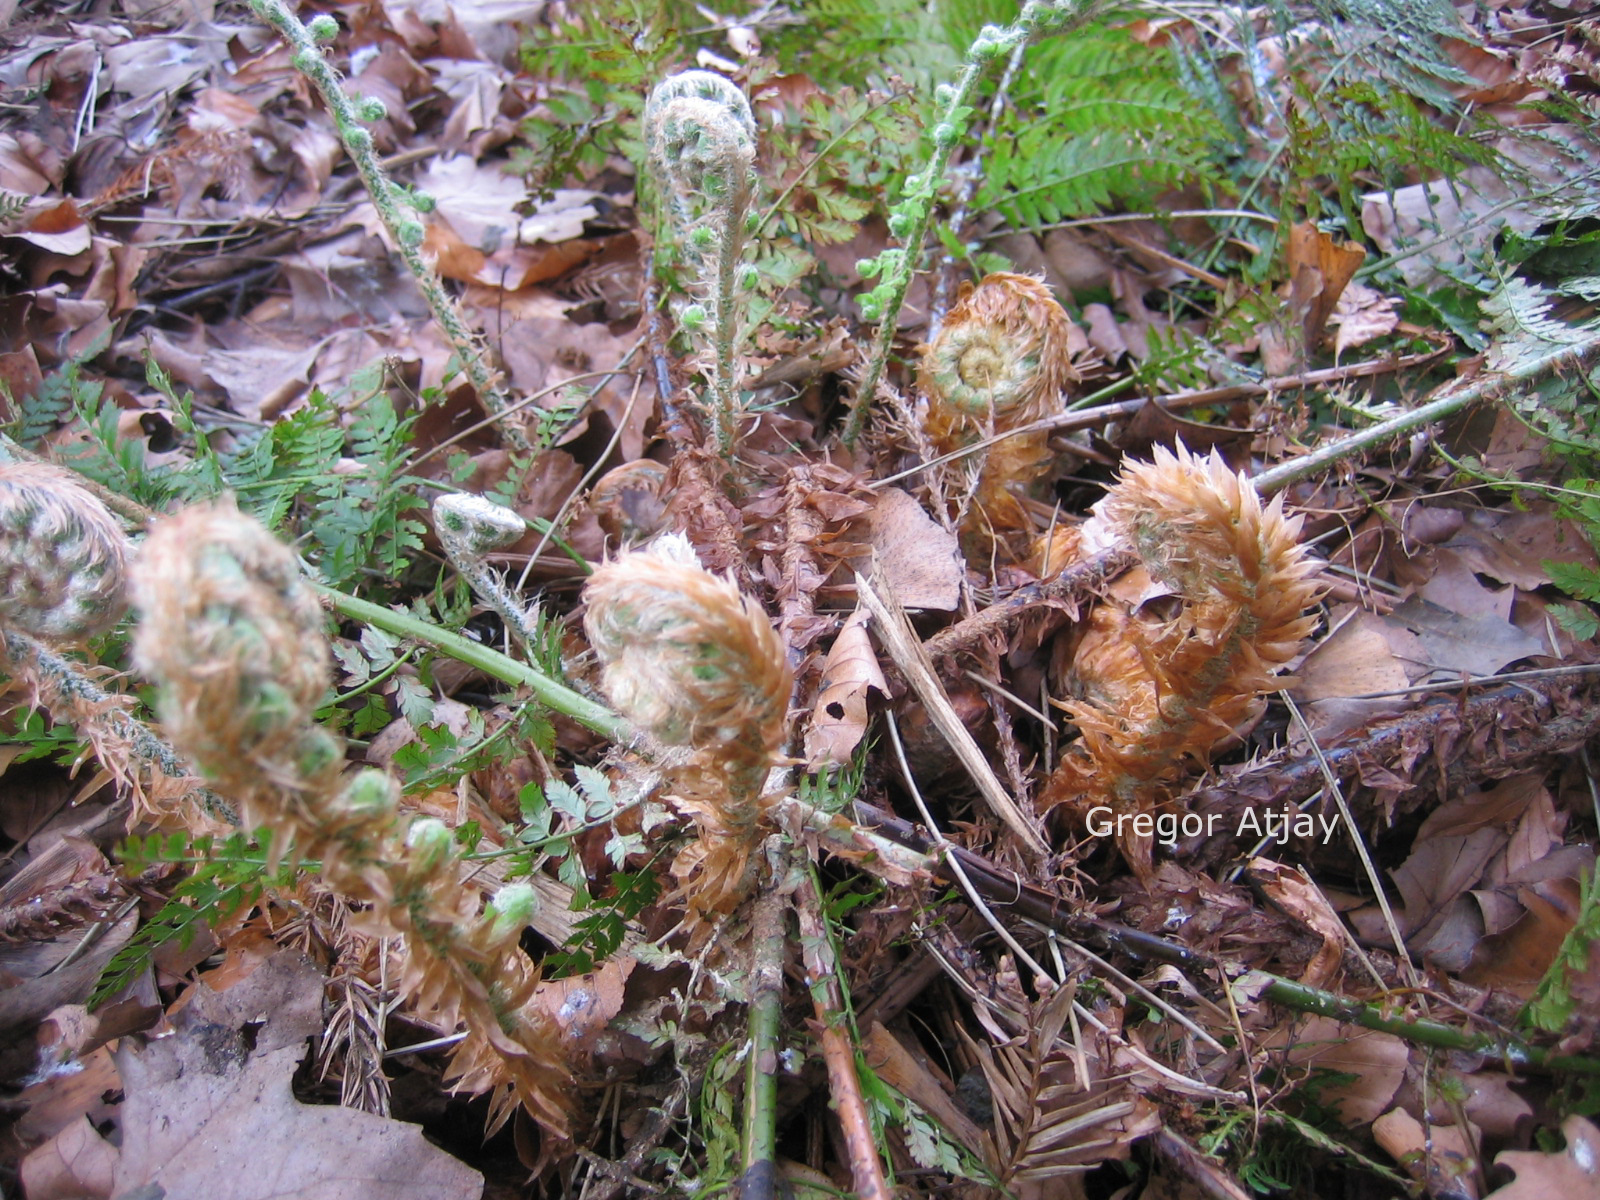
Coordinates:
1045	179
1098	119
1519	313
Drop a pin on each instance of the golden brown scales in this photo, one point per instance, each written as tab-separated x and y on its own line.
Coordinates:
1153	699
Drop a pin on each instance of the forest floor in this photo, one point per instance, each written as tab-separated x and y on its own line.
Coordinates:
1181	775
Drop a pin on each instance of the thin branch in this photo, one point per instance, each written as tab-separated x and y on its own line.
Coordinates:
1453	398
901	642
1337	792
830	1028
389	200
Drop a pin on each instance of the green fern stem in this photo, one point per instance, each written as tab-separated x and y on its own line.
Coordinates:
389	200
62	677
910	218
702	144
555	696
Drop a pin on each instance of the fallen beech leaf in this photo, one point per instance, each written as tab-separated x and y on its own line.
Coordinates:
1513	546
1319	271
1363	655
1438	872
39	982
1454	586
1570	1174
1502	805
839	720
1517	959
60	229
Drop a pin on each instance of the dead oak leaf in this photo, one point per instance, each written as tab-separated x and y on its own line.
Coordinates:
1375	1064
921	560
1571	1174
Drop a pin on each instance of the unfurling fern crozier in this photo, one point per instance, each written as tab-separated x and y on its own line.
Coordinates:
1151	699
694	663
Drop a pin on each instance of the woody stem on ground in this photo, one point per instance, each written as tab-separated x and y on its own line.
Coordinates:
832	1029
1302	998
1491	385
909	219
388	199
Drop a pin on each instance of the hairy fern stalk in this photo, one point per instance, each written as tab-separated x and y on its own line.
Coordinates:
234	637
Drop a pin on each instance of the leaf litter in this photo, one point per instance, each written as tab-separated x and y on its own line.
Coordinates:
182	202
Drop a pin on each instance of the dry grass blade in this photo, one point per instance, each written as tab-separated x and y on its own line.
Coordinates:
903	647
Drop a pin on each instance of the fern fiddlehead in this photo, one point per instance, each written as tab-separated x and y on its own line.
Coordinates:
234	637
1001	360
63	556
695	663
702	140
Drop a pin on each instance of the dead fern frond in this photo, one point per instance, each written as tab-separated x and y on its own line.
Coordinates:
1055	1114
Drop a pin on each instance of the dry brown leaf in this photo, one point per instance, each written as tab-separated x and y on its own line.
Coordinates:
839	718
82	1088
1517	959
921	560
41	980
1319	271
1501	806
1570	1174
1362	315
1513	546
1293	892
1377	1062
1364	654
583	1005
76	1164
1437	875
208	1116
1440	1157
1477	645
1454	586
